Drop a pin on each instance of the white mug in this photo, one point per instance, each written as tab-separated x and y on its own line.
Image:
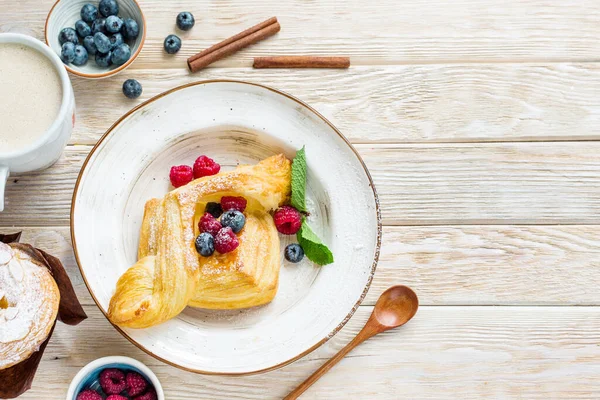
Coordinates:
47	149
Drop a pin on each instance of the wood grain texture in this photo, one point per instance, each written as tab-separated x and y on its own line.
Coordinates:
397	104
445	265
470	352
384	32
420	184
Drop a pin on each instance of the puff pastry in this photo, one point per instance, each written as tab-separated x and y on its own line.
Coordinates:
29	299
171	275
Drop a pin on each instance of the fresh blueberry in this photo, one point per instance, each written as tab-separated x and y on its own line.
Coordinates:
130	29
67	52
108	7
90	46
121	54
113	24
103	59
205	244
99	25
81	55
214	209
185	21
89	13
116	39
233	219
294	253
82	28
132	88
102	42
172	44
68	35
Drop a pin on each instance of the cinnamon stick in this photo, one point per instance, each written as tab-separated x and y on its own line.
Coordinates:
233	44
301	62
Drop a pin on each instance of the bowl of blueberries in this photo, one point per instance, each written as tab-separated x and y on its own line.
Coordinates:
115	378
96	38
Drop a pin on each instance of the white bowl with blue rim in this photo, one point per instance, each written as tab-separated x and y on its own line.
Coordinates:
89	376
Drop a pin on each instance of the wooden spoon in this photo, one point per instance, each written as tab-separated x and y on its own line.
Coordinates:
395	307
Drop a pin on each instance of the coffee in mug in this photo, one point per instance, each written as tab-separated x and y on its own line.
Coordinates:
37	106
30	96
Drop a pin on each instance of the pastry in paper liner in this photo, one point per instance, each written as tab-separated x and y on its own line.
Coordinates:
17	378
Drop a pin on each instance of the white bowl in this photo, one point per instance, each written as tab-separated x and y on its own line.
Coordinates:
90	372
232	122
64	14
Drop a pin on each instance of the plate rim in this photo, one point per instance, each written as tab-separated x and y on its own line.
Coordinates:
304	105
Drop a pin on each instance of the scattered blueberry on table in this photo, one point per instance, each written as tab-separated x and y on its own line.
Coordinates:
185	21
100	33
172	44
132	88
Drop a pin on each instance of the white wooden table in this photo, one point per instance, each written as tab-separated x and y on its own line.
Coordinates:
480	122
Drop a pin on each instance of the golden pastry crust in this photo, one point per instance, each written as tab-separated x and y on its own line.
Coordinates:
29	299
170	274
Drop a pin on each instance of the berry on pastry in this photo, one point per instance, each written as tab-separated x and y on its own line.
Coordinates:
233	219
233	203
226	241
209	224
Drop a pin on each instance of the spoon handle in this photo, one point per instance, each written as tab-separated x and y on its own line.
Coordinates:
363	335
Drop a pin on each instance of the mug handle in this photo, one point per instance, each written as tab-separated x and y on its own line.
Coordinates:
3	177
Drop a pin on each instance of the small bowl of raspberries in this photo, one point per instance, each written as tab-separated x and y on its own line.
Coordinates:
115	378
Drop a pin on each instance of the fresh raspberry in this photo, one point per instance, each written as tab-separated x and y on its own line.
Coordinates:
181	175
205	166
209	224
287	220
116	397
149	395
233	203
112	381
136	384
226	241
89	395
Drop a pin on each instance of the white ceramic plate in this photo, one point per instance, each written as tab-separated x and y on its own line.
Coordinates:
232	122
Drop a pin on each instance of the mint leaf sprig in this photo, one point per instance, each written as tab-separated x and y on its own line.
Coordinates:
314	248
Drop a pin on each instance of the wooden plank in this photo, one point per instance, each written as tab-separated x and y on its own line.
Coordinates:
398	104
470	352
450	265
383	33
433	184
